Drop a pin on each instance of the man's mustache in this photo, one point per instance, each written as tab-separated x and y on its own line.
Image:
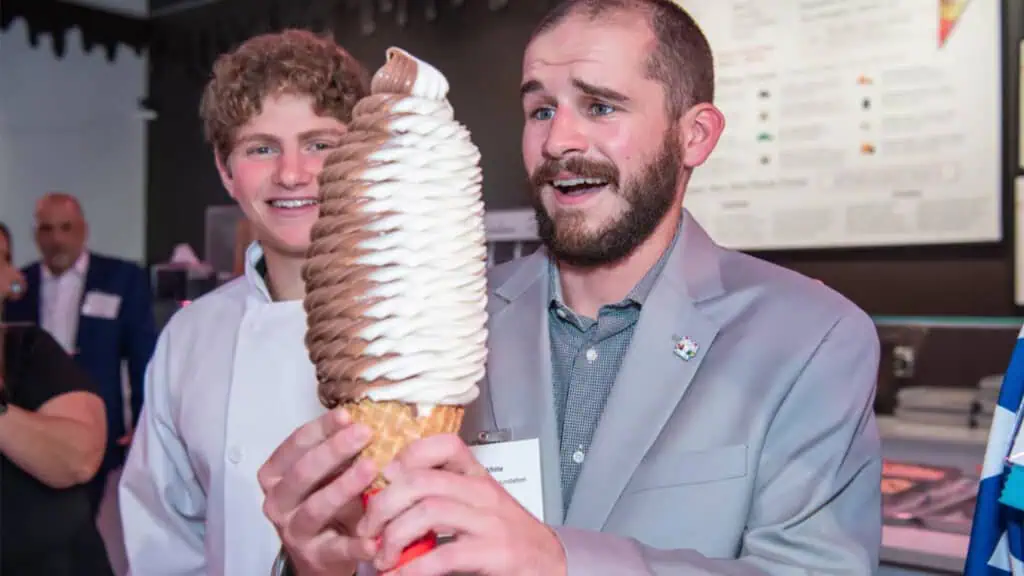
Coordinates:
577	166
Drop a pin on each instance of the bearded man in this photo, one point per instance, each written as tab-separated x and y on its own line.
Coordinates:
698	411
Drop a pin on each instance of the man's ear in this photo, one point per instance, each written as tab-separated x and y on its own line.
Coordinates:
225	174
699	129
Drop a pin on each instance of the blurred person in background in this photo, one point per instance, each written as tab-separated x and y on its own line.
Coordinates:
98	308
12	282
5	244
52	434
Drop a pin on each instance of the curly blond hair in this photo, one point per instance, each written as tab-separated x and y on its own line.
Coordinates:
290	62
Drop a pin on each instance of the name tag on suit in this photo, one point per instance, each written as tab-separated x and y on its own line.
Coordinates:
101	305
516	466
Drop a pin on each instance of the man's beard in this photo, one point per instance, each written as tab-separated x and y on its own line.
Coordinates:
61	260
649	196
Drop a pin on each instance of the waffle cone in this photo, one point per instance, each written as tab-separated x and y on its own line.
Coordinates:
395	426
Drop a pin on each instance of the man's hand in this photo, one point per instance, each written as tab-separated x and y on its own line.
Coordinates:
12	283
313	495
437	485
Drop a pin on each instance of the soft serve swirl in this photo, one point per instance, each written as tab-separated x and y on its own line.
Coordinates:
396	273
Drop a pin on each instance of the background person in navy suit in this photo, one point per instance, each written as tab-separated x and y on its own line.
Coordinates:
98	308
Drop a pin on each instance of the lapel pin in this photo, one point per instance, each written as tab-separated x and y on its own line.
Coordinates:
686	348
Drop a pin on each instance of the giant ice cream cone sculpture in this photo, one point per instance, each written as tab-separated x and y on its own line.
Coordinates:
396	274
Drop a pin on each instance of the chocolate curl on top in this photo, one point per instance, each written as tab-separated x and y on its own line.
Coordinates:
397	76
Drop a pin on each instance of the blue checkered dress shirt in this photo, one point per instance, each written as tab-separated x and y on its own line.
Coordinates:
585	358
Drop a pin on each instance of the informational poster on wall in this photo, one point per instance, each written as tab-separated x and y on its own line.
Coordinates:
853	123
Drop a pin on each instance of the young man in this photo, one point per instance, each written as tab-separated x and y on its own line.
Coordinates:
231	378
699	411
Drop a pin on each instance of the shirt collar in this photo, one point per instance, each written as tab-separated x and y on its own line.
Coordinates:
256	270
79	268
637	296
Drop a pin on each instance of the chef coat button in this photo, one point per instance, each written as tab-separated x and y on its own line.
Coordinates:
235	454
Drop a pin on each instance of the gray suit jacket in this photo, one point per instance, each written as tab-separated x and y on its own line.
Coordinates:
760	455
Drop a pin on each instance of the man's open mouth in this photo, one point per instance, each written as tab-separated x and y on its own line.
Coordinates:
578	186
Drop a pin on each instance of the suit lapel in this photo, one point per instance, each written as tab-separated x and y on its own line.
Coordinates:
653	378
92	276
519	371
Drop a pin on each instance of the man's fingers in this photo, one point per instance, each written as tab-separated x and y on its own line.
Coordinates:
407	489
314	467
331	552
326	504
445	451
347	517
299	442
332	549
463	556
439	515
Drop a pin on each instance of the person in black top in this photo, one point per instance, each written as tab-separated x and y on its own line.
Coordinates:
12	283
52	438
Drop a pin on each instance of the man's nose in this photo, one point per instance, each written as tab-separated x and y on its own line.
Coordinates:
565	136
293	170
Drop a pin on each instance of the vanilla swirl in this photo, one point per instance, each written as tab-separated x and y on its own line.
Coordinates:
396	274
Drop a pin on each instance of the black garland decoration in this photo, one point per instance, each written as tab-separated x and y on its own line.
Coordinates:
193	36
98	28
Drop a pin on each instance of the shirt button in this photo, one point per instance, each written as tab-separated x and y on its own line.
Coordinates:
560	313
578	456
235	454
591	355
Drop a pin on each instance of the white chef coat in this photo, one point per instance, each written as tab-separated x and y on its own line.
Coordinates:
230	380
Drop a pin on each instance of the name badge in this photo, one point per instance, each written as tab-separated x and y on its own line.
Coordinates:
101	305
516	466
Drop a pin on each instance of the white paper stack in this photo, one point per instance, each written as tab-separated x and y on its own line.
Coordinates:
936	406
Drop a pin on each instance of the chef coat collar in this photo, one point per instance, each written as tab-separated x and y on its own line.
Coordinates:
256	271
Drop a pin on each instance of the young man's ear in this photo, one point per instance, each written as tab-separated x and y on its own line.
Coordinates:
224	169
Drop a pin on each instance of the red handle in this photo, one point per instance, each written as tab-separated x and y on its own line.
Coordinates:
414	550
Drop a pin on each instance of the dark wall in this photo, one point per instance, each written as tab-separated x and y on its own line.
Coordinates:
480	51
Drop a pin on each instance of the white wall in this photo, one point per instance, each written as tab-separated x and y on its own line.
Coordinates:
73	125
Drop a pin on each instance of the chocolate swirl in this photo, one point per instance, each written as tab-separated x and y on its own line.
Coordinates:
403	170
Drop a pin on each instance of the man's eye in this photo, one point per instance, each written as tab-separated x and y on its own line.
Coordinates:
598	109
259	150
320	146
543	114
